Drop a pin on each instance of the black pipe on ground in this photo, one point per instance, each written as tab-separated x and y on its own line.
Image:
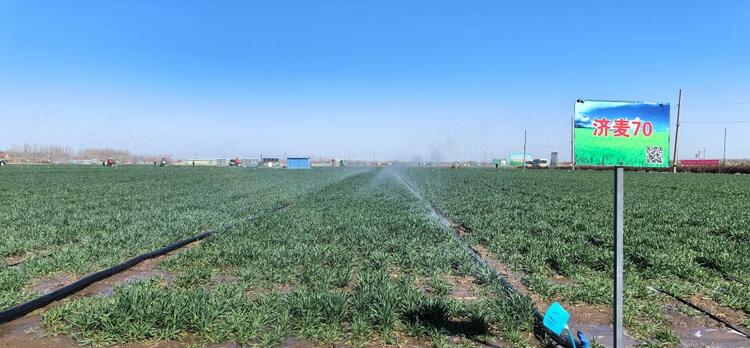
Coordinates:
68	290
705	312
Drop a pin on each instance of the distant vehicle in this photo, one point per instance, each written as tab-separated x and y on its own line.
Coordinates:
164	161
537	163
235	162
109	163
2	163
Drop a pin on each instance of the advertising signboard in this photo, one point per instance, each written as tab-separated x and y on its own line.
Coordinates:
616	133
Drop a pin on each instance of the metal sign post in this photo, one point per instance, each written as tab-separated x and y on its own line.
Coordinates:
618	298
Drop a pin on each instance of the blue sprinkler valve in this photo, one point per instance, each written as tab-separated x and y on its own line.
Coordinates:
584	340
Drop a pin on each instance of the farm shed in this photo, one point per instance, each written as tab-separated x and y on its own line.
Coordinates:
269	162
298	162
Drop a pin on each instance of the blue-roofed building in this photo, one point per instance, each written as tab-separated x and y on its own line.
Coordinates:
298	162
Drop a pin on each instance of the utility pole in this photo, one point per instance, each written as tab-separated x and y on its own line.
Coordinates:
724	157
524	149
677	132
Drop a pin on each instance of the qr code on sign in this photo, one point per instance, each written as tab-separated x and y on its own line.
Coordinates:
654	154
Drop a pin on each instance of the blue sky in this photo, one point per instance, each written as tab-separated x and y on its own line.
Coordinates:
362	79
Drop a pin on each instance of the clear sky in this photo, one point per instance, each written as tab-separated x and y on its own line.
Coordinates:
355	79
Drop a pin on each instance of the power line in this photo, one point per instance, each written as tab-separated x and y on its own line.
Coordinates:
714	122
719	104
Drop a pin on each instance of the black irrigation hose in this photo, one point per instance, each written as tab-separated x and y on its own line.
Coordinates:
65	291
539	327
742	331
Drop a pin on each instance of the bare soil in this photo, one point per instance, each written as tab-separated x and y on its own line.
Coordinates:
464	288
731	315
698	330
51	282
27	332
462	230
16	260
144	270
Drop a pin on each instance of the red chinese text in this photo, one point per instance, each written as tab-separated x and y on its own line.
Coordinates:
621	127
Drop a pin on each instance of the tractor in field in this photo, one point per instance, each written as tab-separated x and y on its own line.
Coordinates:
109	163
164	162
235	162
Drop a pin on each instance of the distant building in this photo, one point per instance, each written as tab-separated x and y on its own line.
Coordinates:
298	162
499	162
250	162
270	162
